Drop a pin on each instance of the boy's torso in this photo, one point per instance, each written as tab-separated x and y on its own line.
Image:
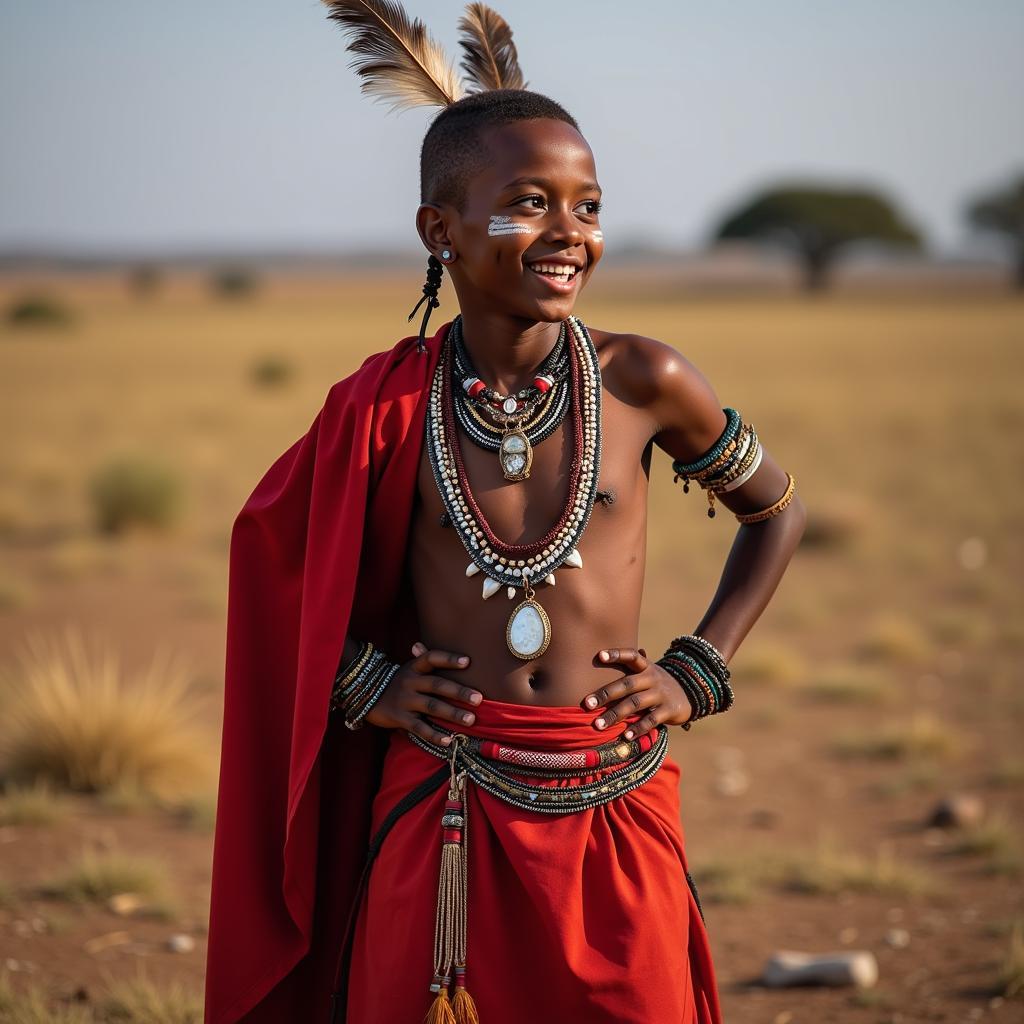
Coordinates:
590	608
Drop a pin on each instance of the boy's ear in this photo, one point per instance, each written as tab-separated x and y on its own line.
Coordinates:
432	225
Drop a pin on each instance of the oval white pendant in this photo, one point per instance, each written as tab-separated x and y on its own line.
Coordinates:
529	630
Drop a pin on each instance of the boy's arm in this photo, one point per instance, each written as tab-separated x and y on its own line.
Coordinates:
687	419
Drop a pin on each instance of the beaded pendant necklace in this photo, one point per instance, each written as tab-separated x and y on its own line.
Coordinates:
528	631
516	435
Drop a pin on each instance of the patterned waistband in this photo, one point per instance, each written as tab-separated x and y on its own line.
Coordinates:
494	766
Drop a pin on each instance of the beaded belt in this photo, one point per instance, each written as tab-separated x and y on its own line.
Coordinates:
480	760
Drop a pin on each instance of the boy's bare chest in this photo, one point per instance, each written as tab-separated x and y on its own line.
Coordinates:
522	511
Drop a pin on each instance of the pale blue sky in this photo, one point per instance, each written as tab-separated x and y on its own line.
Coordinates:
222	123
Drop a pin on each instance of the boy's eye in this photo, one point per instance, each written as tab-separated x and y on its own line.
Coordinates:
593	204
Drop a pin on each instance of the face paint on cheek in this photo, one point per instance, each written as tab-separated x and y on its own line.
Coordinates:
597	236
505	225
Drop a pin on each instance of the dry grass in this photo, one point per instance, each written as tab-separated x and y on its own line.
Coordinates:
1011	971
773	665
895	639
848	684
96	877
923	737
137	1001
34	804
827	869
997	841
82	723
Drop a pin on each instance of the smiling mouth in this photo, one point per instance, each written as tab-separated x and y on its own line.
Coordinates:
558	276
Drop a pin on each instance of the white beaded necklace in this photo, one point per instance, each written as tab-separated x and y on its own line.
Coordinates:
528	632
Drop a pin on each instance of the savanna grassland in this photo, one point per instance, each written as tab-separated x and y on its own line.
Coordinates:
883	677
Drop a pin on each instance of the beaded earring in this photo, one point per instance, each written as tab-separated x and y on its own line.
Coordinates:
435	270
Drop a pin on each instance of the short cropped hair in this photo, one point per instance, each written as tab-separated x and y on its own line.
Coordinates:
452	152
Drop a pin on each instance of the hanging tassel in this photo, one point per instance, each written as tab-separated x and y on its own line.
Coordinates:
450	922
462	1002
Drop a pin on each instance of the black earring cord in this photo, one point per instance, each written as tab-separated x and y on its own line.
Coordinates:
435	271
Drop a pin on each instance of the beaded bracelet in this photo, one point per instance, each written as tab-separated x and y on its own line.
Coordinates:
730	461
359	684
699	668
775	508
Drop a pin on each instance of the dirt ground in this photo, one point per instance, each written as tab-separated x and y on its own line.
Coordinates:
883	677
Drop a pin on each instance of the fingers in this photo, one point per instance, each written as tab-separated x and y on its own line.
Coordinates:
422	728
634	660
428	704
630	705
428	658
653	717
629	656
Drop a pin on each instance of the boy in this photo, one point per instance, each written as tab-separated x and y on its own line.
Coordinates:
569	897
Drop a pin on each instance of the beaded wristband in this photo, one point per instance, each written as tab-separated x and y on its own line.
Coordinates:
359	685
699	668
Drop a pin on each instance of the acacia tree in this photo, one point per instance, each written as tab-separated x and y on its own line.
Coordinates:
1002	211
815	223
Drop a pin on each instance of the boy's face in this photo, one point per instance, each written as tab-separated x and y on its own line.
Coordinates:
509	223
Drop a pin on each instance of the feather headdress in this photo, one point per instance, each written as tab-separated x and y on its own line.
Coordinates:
401	64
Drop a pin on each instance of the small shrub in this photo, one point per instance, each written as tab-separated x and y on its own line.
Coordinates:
233	282
828	870
271	371
144	279
134	489
39	310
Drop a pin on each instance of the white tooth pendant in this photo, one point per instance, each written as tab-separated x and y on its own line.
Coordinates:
574	558
491	587
550	578
529	630
472	569
515	455
511	592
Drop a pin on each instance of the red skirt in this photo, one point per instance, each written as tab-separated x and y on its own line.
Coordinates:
579	916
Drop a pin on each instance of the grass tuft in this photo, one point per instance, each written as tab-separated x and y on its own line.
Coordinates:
96	877
83	724
923	737
35	804
1011	972
893	638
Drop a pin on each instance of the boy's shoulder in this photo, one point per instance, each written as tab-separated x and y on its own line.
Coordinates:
657	378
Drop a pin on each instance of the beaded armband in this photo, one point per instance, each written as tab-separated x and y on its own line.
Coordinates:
359	684
732	460
699	668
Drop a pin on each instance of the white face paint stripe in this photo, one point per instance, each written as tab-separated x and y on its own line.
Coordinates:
597	235
504	225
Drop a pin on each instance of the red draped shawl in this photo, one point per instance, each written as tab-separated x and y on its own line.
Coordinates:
330	519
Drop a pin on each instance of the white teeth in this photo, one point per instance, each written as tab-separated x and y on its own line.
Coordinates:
553	268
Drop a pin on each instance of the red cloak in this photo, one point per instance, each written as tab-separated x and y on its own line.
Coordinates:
295	795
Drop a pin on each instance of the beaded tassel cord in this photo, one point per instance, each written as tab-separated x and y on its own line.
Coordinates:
450	924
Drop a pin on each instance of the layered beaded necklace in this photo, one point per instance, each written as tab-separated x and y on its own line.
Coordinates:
528	631
514	439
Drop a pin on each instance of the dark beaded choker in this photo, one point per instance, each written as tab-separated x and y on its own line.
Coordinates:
539	408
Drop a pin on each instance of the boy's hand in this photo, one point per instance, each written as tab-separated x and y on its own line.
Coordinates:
644	686
413	692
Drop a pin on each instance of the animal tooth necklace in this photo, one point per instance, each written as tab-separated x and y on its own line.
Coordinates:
515	438
528	631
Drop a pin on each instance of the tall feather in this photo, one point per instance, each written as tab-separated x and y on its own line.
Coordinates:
399	62
491	61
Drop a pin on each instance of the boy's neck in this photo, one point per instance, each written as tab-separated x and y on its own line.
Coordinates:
506	351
